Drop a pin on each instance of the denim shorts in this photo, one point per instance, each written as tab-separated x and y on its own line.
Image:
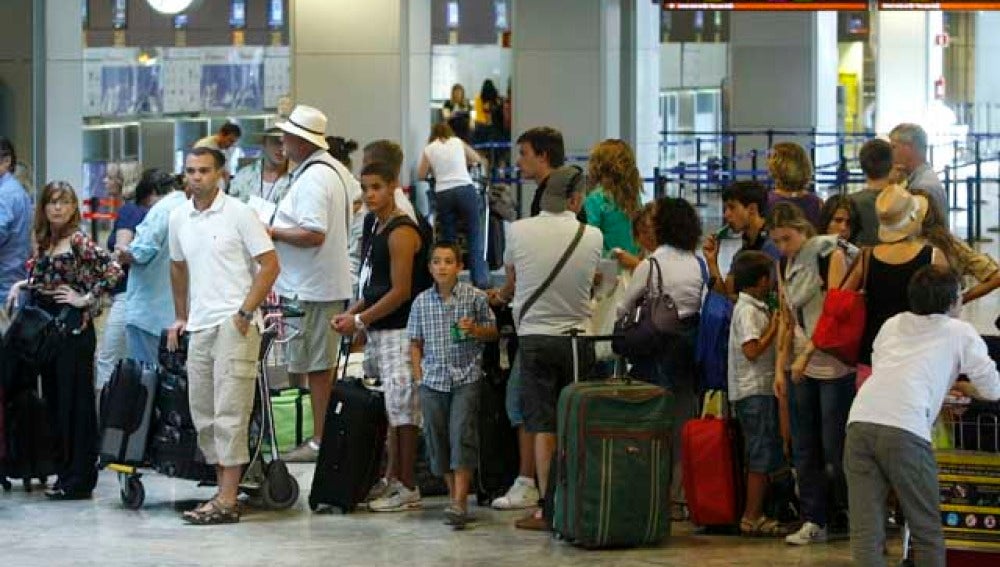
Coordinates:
758	417
451	427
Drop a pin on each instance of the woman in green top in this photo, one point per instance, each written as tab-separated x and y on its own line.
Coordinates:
616	198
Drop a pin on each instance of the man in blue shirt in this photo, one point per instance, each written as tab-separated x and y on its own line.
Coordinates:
15	221
149	305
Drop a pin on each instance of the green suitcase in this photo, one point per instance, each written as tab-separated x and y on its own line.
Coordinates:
613	464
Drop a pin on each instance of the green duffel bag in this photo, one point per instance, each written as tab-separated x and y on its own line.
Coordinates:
613	464
293	418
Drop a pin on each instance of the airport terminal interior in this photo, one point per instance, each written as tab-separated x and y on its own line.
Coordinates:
703	97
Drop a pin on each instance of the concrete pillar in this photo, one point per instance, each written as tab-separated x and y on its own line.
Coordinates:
59	102
567	69
783	69
908	64
640	84
15	78
987	109
367	66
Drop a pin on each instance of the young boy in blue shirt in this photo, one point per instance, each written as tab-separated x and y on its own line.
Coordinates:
447	326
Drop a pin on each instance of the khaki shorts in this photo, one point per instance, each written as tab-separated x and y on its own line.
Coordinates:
387	357
314	348
222	368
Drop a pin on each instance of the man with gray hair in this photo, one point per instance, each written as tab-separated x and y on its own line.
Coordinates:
909	154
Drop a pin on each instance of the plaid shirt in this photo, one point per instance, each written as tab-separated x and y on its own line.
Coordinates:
448	363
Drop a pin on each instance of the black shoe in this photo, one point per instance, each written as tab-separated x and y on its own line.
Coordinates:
63	494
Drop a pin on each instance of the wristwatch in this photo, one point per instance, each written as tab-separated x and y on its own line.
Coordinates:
246	315
358	323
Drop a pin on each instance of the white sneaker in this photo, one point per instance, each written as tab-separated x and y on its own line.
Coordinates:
398	500
380	489
522	494
808	533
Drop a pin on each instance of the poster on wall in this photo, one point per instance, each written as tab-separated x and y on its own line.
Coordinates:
277	73
232	79
122	82
181	79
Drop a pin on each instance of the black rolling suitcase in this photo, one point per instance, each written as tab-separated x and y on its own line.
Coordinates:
31	445
354	435
498	450
126	413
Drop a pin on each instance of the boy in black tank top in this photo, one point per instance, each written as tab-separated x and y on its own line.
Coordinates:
392	258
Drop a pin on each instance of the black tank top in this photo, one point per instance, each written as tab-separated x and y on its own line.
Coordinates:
380	281
885	294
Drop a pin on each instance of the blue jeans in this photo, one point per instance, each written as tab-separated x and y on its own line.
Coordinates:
142	346
821	409
464	202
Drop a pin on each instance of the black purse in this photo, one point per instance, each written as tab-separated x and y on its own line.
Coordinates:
34	333
640	332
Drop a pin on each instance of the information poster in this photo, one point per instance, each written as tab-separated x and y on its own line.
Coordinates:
181	80
232	78
277	75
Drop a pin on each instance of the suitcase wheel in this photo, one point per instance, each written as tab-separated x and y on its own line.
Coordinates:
132	492
279	489
5	484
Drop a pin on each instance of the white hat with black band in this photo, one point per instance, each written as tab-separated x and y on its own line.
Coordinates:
307	123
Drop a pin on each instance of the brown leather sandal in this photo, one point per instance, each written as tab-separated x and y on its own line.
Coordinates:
212	513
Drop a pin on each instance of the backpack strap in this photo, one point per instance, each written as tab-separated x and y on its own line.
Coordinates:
555	272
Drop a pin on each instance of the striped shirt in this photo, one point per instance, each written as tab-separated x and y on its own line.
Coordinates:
448	361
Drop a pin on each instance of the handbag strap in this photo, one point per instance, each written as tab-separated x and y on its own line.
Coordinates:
863	259
653	263
555	272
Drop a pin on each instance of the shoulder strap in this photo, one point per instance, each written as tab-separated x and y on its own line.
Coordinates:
555	272
863	259
704	270
347	195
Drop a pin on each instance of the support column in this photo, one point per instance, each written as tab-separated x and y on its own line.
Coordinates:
987	91
59	102
567	69
783	69
367	66
908	64
640	85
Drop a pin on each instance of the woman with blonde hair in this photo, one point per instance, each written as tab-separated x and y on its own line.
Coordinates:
616	198
66	277
790	168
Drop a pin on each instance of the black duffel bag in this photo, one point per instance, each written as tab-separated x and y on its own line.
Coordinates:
34	333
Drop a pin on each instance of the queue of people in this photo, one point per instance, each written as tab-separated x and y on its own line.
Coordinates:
356	258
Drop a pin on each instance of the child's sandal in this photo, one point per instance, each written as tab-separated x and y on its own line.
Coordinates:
763	527
213	513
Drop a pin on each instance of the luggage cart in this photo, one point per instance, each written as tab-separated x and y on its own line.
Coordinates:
967	448
266	477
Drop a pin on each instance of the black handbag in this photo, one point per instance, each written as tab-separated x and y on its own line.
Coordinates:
34	333
640	331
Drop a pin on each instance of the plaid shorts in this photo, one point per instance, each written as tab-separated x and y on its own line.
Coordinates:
387	357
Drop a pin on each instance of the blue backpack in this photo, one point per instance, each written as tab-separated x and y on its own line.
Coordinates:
712	346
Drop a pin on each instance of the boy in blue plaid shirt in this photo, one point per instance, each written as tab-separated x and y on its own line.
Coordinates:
448	323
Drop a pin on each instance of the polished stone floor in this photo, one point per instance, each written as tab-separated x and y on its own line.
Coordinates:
35	531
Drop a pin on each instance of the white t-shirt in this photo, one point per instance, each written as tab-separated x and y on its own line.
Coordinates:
915	361
534	246
448	162
318	201
749	377
219	245
682	280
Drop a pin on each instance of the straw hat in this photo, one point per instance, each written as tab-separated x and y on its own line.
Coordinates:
900	213
307	123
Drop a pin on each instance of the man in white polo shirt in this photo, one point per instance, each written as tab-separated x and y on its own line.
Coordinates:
222	267
310	233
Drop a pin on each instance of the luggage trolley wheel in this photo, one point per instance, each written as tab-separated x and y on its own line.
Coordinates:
279	490
132	491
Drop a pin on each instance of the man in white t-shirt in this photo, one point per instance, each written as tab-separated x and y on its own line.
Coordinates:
222	267
224	141
310	233
545	315
917	357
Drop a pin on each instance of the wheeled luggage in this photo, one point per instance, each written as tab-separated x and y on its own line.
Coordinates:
613	463
126	413
713	475
354	433
31	445
498	449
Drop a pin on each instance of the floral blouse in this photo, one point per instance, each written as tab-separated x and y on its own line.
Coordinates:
86	268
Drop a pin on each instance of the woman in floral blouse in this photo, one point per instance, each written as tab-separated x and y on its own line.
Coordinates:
68	269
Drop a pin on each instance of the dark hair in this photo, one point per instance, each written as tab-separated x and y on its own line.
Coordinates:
230	129
386	151
488	93
341	149
381	169
932	290
876	158
749	266
645	214
747	193
677	224
7	150
453	246
548	141
154	181
834	204
217	156
441	131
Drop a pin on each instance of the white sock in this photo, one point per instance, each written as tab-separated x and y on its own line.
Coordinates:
526	480
314	444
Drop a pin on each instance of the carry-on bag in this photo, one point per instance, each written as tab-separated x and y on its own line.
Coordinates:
31	445
498	449
293	418
713	475
613	462
126	413
354	432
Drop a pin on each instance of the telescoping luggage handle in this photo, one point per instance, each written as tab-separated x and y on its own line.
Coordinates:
575	335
